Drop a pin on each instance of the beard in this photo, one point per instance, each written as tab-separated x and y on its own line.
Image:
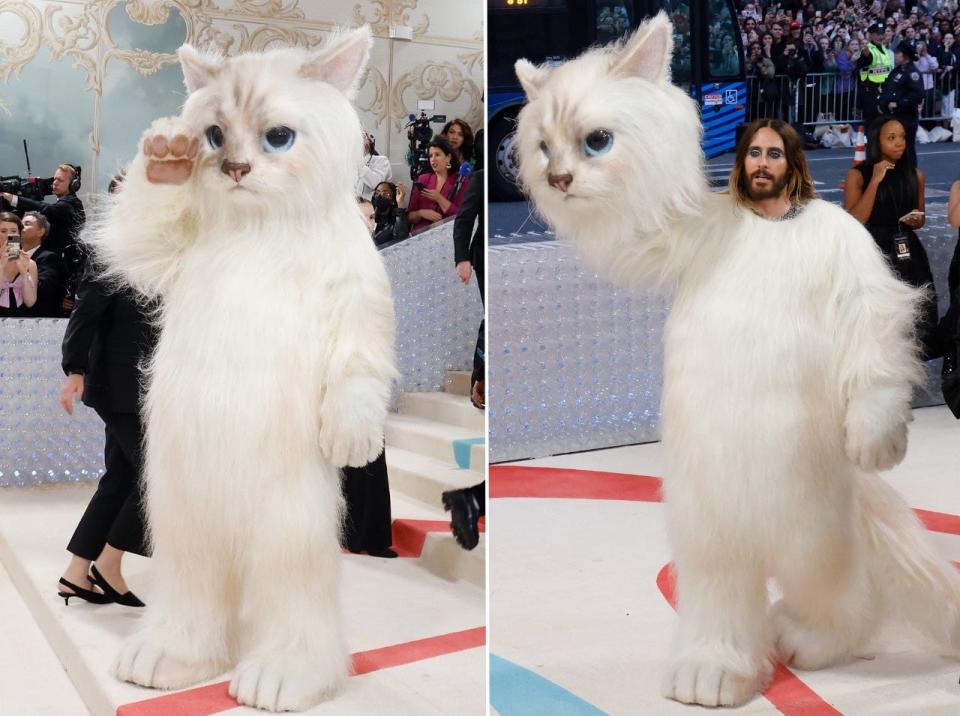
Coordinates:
774	190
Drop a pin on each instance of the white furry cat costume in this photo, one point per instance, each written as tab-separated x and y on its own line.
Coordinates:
789	368
273	369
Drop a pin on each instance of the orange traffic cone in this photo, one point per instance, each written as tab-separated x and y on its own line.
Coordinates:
860	152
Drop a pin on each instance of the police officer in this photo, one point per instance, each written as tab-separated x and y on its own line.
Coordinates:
875	64
903	94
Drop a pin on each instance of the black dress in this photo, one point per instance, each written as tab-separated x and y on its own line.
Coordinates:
895	198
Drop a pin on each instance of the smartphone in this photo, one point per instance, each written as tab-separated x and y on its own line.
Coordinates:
819	14
419	185
13	246
915	212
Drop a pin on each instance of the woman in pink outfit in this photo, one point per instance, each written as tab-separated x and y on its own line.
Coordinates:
443	188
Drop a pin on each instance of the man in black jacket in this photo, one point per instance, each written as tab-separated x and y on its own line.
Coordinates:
50	287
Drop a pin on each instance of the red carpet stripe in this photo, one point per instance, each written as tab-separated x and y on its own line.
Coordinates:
409	536
516	481
213	699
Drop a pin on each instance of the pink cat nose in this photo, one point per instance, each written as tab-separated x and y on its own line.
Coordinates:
235	170
560	181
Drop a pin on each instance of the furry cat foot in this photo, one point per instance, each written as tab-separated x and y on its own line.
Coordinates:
282	684
876	434
806	646
170	150
142	661
351	433
694	680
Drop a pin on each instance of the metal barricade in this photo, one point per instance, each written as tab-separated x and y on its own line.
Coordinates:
821	98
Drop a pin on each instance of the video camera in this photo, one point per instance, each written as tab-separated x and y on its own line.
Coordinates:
420	133
31	187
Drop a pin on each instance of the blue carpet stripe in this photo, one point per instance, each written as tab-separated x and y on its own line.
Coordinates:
516	691
461	451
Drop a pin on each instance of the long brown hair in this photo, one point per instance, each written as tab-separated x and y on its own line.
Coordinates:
799	182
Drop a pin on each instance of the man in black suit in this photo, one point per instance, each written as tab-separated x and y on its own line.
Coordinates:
468	505
50	289
469	248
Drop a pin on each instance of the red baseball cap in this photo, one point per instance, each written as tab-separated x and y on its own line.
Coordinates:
794	25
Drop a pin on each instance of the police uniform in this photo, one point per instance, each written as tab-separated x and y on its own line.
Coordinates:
875	64
905	89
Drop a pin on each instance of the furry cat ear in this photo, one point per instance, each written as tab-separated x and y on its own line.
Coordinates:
342	62
532	78
647	54
198	69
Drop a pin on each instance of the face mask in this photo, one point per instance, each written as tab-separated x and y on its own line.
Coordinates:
381	203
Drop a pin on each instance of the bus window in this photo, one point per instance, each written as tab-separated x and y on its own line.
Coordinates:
541	29
681	67
724	55
613	20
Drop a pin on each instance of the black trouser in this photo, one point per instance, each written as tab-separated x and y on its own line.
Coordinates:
366	490
115	514
479	353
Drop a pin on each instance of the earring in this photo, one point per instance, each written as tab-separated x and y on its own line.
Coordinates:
448	165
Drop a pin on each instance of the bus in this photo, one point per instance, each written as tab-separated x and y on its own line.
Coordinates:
707	62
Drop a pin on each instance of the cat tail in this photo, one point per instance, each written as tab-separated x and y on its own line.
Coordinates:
914	583
138	236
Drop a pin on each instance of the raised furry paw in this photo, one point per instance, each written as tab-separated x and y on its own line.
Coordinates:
351	425
695	680
170	149
143	661
278	684
876	435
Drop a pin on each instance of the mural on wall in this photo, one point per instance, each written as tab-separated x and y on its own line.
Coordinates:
80	81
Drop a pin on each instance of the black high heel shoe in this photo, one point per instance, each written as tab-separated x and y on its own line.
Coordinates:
129	599
86	594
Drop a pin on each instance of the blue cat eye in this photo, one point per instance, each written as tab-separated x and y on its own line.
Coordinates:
277	139
597	143
215	136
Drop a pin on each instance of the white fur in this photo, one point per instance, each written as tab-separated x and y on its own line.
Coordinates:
790	362
273	370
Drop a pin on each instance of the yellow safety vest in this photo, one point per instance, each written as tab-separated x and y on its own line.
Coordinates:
880	68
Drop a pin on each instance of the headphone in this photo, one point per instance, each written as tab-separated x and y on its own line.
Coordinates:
75	182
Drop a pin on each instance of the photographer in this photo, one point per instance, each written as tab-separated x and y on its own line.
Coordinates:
436	195
18	272
373	170
66	215
49	278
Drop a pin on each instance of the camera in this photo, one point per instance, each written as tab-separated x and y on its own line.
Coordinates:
31	188
13	247
420	133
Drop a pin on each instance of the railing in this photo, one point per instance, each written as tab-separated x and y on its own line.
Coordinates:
830	98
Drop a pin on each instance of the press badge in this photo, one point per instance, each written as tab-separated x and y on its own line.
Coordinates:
901	246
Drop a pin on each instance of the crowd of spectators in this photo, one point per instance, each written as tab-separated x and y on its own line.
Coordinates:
435	196
813	45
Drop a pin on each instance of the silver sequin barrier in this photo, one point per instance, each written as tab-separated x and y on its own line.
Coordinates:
437	320
577	363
